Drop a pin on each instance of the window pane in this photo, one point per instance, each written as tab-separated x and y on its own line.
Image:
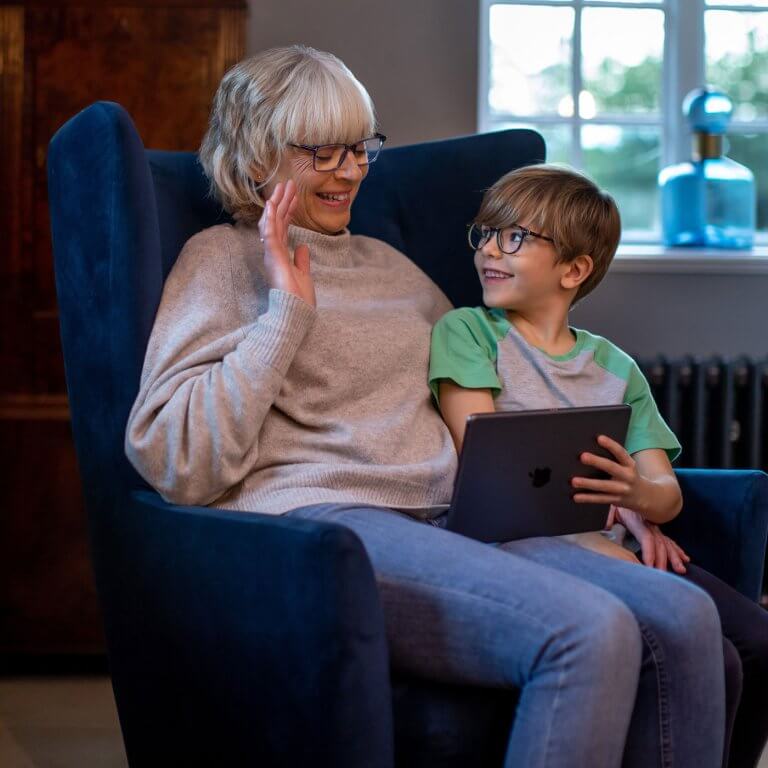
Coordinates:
530	58
752	150
622	72
758	3
737	59
625	162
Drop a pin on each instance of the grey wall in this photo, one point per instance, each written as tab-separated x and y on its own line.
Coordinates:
417	58
675	314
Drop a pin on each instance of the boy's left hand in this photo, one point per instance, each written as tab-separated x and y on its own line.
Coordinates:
625	488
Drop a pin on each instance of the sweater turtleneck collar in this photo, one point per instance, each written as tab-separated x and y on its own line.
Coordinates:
329	250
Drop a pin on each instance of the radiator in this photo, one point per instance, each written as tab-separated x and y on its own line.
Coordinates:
717	407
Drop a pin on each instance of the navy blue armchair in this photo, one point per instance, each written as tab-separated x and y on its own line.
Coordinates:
244	639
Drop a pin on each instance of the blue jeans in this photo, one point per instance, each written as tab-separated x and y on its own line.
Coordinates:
604	653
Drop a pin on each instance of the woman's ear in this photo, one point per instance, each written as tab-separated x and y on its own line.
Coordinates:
577	271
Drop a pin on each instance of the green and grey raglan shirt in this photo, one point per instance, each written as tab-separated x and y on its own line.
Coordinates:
479	348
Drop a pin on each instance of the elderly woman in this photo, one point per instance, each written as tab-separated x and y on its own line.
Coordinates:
287	374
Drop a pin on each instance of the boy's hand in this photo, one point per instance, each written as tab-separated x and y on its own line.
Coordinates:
625	488
658	550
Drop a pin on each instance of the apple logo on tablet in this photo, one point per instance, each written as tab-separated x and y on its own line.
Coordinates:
540	476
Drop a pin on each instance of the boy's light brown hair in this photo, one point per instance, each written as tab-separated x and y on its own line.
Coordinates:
562	204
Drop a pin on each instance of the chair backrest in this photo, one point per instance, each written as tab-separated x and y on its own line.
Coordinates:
120	216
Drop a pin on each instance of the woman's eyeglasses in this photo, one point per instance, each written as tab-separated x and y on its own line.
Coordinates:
330	157
509	239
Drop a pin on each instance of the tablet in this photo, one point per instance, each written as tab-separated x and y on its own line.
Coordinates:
515	470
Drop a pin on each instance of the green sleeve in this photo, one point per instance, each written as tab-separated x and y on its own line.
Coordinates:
647	429
463	351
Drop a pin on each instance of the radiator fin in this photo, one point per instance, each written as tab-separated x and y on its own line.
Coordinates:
715	406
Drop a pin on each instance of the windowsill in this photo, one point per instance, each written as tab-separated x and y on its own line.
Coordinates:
658	258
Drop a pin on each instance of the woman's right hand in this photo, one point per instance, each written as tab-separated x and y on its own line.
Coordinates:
658	550
285	272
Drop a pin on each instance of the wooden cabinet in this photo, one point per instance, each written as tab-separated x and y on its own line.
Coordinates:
162	61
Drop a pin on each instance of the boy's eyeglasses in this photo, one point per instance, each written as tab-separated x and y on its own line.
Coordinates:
330	157
509	239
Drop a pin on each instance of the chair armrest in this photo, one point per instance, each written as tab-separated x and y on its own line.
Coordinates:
242	639
724	523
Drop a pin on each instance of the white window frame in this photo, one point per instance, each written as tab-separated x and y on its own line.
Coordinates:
683	70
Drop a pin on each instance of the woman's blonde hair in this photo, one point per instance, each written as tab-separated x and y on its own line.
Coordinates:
290	95
562	204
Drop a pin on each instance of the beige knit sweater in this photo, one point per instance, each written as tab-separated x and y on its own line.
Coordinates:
251	399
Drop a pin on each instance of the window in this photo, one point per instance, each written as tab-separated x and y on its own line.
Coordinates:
603	81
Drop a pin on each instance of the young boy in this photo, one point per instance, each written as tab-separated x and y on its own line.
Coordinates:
518	352
543	239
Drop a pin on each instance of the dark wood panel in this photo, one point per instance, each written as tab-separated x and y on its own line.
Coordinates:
162	61
11	97
238	4
163	64
11	92
47	598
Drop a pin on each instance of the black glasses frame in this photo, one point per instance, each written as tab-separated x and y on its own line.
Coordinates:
347	148
485	238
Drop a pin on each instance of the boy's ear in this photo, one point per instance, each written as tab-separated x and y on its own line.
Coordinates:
577	271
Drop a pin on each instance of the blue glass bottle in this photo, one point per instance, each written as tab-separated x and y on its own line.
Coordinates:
709	201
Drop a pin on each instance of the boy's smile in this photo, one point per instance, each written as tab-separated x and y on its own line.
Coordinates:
490	274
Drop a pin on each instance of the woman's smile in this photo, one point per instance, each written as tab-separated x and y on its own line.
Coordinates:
336	200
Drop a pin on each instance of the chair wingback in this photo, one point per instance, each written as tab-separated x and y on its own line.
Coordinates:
184	205
107	261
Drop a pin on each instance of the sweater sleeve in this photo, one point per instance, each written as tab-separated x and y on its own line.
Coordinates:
210	375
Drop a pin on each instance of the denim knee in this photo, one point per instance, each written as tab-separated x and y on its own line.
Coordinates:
610	634
619	633
693	621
